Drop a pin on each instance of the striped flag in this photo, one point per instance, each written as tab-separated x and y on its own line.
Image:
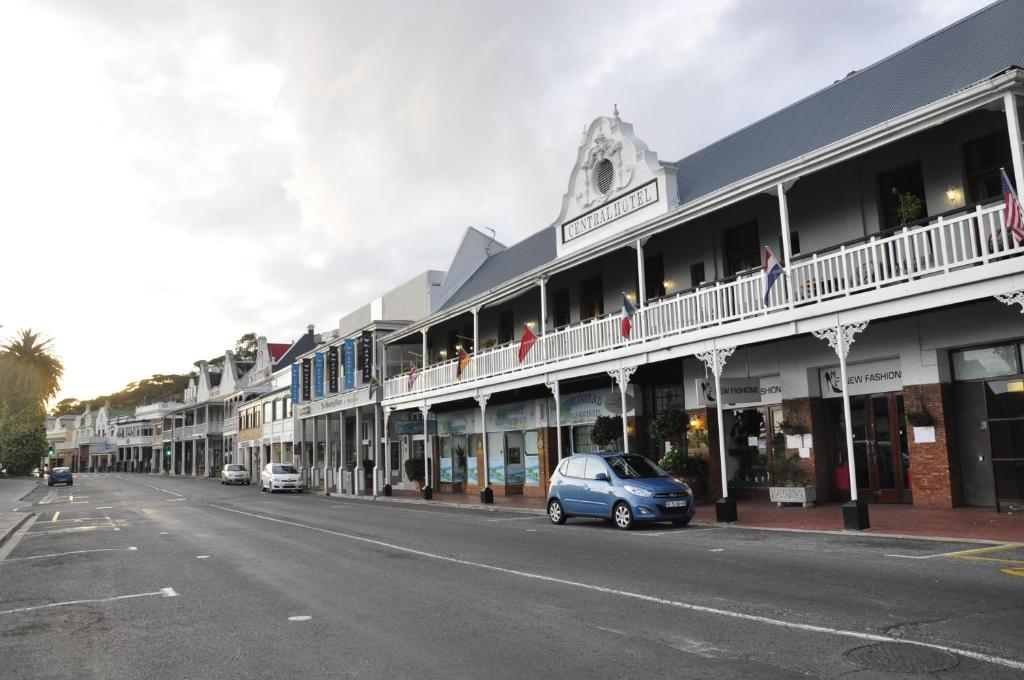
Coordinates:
411	380
772	272
1013	217
628	310
460	368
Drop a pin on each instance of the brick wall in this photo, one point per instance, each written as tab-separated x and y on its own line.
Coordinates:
809	414
936	480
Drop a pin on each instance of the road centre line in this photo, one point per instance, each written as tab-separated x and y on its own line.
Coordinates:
55	516
872	637
163	592
71	552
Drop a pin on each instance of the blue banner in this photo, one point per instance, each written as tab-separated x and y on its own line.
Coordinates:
295	383
318	374
350	364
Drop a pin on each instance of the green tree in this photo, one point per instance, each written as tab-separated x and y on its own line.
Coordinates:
245	348
607	430
28	367
22	433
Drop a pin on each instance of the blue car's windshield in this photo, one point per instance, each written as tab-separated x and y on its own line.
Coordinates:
634	467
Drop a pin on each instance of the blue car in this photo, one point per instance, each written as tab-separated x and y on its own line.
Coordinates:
61	475
621	487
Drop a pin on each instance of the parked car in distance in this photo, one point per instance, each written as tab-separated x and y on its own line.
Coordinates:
233	473
61	475
622	487
280	477
36	472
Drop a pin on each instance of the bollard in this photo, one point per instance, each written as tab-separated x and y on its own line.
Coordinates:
387	489
428	493
486	495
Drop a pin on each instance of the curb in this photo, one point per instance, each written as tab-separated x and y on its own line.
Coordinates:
436	504
25	516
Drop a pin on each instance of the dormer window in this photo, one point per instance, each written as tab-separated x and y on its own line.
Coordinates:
604	176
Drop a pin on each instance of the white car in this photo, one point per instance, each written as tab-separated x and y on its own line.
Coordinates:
280	477
233	473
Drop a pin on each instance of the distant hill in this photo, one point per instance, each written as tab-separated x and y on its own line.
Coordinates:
159	387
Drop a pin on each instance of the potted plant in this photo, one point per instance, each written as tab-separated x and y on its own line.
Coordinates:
923	424
607	430
414	470
790	428
692	470
789	482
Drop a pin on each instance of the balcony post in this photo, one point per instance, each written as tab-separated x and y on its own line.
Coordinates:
641	284
787	245
714	360
386	472
358	476
483	477
476	331
839	338
423	333
428	471
555	390
543	305
622	376
1013	127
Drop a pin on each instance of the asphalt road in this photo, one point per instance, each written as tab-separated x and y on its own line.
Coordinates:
149	577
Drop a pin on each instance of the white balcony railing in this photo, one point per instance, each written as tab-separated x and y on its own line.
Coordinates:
933	249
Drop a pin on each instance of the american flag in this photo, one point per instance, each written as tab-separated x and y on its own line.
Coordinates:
1013	216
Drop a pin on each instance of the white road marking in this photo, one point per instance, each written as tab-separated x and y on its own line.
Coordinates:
163	533
807	627
202	557
299	618
72	552
516	519
163	592
531	531
105	507
924	557
55	516
172	500
72	499
645	534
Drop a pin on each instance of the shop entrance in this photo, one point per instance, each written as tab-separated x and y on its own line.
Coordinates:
879	447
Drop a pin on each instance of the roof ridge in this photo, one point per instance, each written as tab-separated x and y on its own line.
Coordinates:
853	75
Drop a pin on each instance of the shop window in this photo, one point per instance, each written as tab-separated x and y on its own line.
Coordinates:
562	313
982	159
654	276
742	248
697	274
901	195
986	362
591	298
515	472
505	326
581	442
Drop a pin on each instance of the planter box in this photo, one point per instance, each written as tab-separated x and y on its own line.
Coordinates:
805	495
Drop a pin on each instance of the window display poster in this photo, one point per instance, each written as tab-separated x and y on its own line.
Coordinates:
496	458
471	471
532	459
446	469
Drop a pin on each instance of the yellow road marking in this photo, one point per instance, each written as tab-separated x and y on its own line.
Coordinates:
981	551
1014	571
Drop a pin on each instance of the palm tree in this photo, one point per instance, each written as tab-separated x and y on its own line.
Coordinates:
29	368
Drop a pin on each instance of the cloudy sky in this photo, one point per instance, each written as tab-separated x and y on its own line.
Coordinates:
174	174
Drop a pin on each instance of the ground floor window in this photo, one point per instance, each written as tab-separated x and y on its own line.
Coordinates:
752	442
453	458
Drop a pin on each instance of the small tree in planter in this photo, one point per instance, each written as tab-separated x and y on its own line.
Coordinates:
670	426
414	469
606	431
789	482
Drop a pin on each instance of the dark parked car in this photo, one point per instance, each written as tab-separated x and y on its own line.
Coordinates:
61	475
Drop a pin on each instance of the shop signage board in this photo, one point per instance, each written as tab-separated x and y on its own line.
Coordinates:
640	197
523	415
350	363
869	377
318	375
740	391
332	370
366	354
307	378
414	426
583	408
296	383
458	422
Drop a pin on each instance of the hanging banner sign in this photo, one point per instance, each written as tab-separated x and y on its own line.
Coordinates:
740	391
366	355
307	378
318	375
870	377
332	369
350	363
296	382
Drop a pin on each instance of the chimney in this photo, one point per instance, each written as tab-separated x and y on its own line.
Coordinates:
309	329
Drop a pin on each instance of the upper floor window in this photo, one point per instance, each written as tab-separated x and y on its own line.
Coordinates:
654	276
901	195
275	414
505	326
742	248
591	298
982	159
287	407
697	274
562	308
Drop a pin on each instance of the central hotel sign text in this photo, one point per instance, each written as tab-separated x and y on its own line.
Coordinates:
612	210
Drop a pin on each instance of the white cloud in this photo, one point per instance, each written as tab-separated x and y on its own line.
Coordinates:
176	174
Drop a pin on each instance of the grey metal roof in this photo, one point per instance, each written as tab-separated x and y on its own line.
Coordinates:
978	46
531	252
305	343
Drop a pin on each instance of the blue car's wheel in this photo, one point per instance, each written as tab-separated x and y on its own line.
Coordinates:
555	511
623	516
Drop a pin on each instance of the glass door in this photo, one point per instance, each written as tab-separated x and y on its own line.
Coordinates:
879	447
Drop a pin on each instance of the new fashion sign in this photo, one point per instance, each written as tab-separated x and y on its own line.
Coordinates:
867	378
610	211
744	391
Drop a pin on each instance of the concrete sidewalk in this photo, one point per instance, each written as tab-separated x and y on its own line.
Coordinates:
12	490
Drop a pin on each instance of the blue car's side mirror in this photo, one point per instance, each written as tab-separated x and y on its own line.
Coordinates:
602	477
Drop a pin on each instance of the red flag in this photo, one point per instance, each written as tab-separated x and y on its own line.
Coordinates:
526	342
461	366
